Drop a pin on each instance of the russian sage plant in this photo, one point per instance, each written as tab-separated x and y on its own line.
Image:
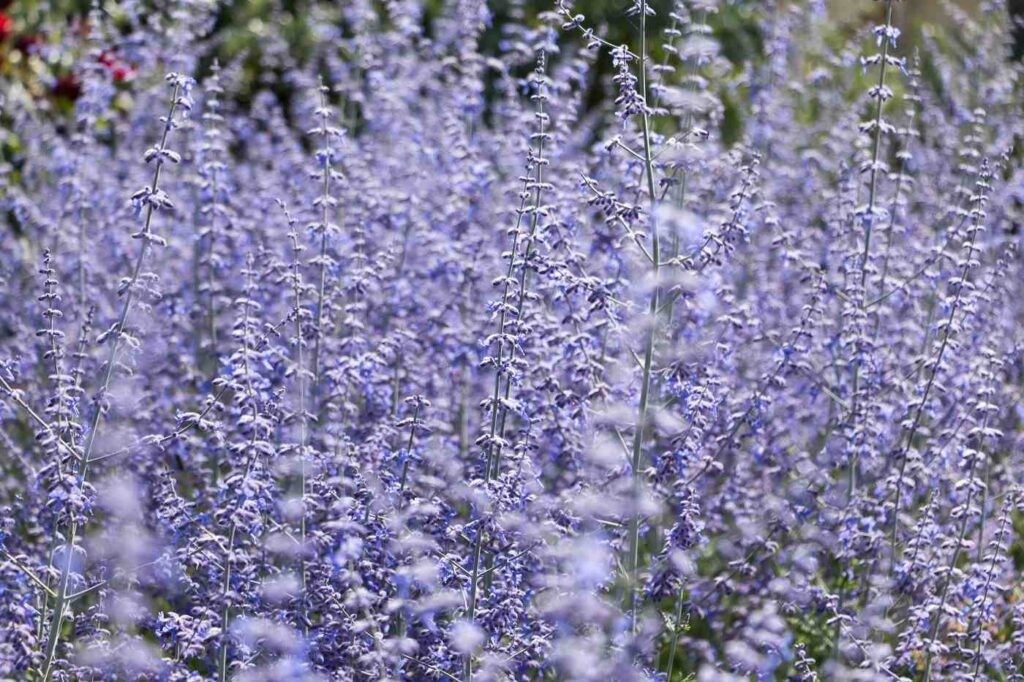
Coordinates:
644	340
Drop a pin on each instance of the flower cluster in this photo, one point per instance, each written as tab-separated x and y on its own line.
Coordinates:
478	345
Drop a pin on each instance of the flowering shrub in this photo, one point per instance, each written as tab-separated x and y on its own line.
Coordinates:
414	364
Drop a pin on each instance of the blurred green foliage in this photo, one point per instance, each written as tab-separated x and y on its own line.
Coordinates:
240	29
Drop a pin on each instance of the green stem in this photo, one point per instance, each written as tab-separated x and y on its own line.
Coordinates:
61	602
300	361
408	450
933	636
498	425
322	275
865	257
919	413
645	381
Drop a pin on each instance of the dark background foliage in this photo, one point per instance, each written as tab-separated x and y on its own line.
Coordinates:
240	26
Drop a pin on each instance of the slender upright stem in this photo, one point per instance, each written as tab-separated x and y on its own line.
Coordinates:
498	424
60	607
325	203
524	277
81	264
61	430
250	393
996	550
408	448
651	332
214	118
502	325
300	364
947	331
211	274
875	152
675	636
958	548
881	97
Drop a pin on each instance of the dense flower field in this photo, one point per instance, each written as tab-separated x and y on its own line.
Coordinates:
406	361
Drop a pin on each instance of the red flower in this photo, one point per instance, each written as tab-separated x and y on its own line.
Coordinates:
27	42
118	69
67	86
5	26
